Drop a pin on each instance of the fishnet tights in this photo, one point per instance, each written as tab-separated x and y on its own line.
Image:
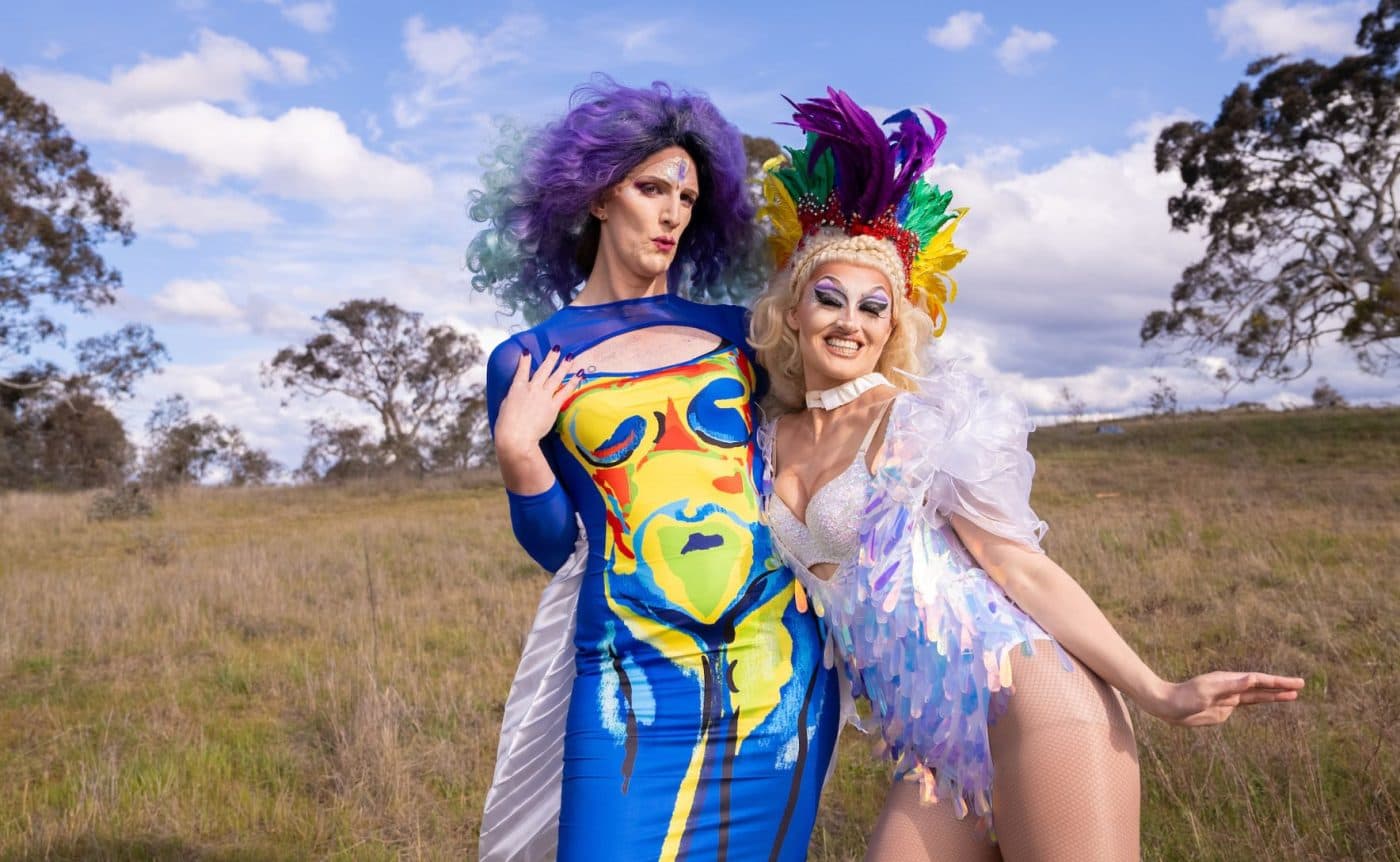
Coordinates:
1066	785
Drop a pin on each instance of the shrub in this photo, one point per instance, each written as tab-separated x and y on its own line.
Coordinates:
120	504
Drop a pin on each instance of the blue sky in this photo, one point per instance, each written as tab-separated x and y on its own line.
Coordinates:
280	157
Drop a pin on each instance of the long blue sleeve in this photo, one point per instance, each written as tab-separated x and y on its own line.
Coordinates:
545	524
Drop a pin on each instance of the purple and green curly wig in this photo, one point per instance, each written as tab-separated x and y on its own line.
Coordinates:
539	239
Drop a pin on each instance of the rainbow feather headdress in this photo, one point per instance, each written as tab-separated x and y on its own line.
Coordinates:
852	180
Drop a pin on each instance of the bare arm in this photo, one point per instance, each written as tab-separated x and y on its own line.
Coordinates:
1057	602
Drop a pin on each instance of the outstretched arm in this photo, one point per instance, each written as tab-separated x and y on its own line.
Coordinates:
1057	602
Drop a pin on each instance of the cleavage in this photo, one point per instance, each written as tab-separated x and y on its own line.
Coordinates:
828	485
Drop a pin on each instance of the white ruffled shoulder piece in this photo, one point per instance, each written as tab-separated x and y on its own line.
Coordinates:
962	447
521	820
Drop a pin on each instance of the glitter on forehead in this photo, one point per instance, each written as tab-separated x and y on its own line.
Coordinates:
676	169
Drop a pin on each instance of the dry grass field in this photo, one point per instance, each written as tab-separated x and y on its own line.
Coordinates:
292	673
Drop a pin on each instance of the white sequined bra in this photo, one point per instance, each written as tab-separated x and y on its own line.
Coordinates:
832	532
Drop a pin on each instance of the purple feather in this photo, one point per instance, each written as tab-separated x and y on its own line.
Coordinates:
873	171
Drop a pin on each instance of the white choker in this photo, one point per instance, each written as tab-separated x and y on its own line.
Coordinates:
830	399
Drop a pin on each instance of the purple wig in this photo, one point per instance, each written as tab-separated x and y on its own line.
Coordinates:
540	240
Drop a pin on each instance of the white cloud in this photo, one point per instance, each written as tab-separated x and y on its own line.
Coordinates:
177	239
154	206
199	300
269	316
1017	49
1065	261
1110	391
445	53
52	50
294	66
449	58
960	31
305	153
315	17
642	41
201	303
1280	27
657	41
220	69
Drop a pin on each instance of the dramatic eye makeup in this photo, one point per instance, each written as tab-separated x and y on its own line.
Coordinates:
877	303
828	292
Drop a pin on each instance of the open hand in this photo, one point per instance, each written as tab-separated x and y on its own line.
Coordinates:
532	403
1211	697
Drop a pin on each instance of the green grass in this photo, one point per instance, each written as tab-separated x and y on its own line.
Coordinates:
294	673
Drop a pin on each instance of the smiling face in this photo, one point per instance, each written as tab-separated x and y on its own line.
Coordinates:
843	317
644	216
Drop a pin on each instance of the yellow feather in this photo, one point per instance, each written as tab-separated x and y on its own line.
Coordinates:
780	211
929	275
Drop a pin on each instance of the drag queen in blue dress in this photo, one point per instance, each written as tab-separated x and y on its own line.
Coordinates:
900	496
671	701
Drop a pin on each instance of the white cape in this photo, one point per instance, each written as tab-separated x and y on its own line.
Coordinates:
521	820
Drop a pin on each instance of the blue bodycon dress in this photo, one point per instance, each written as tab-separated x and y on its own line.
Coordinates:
702	718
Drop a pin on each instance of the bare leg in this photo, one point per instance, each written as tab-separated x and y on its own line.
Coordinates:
1066	785
910	831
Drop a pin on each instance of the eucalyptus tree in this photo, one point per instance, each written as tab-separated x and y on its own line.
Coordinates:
409	374
55	211
1294	184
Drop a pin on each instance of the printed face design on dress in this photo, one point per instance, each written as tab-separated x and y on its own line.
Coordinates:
644	215
688	573
675	482
843	319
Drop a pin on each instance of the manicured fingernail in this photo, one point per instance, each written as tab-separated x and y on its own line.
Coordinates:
554	349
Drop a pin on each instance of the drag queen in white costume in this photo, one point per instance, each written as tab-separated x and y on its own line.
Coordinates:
900	497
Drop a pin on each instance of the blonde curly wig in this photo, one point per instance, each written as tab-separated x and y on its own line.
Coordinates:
776	342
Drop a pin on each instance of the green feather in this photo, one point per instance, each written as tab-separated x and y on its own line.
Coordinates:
927	209
815	184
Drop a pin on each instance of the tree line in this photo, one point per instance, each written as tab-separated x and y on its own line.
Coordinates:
1293	185
57	429
56	433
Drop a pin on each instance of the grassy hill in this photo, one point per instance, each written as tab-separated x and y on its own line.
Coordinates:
287	673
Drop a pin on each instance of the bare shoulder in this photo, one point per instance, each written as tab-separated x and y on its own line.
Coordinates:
785	429
884	409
